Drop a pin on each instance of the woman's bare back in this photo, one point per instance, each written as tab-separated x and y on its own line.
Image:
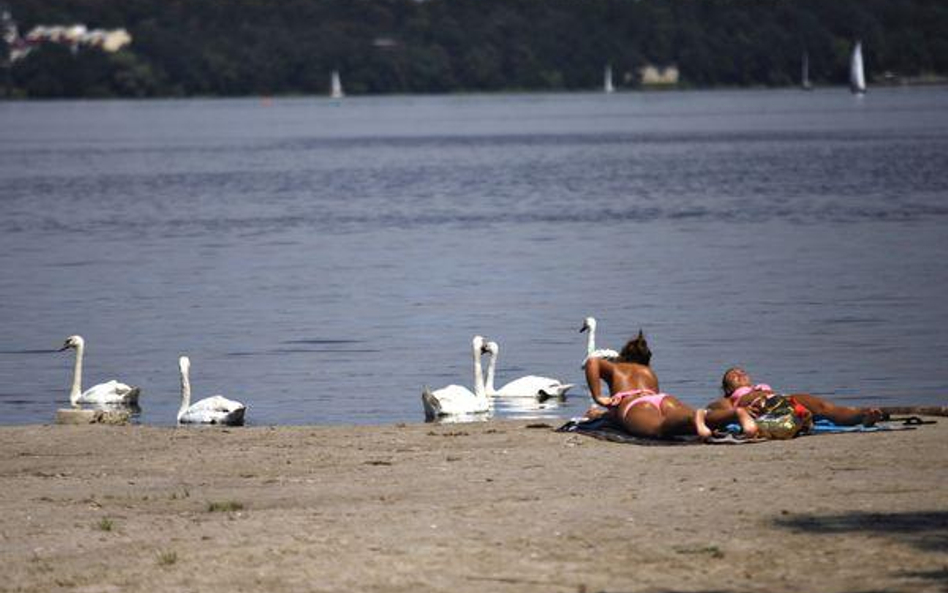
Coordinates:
620	376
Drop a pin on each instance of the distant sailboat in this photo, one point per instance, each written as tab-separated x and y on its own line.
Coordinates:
607	83
805	74
857	78
336	91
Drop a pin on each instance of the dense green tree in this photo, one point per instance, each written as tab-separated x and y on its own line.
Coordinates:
264	47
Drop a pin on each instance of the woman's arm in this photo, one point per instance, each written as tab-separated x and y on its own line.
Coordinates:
598	370
721	412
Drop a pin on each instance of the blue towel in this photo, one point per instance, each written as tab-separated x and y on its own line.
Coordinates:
822	426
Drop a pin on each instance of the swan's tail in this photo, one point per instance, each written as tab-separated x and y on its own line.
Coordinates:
236	416
431	404
131	398
558	392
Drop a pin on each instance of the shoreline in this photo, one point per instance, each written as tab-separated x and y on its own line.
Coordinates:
507	505
644	90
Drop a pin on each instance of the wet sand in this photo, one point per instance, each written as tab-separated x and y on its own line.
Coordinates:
478	507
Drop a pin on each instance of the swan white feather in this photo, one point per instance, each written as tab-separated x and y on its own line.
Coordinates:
532	386
589	325
456	399
110	393
216	409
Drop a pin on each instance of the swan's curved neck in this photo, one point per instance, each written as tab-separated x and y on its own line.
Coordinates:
76	390
478	374
491	367
185	393
591	340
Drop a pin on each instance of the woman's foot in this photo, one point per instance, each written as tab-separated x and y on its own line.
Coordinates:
701	426
872	415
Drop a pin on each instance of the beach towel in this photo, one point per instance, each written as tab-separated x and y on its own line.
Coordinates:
604	429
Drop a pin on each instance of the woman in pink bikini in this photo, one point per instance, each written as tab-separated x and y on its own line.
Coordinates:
740	393
636	403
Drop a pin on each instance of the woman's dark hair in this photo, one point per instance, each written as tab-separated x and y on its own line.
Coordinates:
636	350
724	385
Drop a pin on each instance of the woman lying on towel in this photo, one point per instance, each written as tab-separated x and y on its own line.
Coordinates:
636	403
740	393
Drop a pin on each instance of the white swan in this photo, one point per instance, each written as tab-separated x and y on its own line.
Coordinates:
112	392
212	410
541	388
455	399
589	325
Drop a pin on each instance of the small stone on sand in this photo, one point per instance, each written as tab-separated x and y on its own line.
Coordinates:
78	416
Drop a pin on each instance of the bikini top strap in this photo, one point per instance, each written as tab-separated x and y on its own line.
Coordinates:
742	391
738	393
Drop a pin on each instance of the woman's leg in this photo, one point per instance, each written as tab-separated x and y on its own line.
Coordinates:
675	418
679	418
841	415
701	424
642	420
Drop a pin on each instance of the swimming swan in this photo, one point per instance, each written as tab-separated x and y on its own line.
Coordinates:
212	410
541	388
113	392
589	324
455	399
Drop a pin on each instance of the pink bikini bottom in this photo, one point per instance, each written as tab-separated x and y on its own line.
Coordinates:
641	396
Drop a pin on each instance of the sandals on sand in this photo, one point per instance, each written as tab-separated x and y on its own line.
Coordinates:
912	421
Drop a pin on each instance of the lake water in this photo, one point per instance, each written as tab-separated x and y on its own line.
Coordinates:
322	261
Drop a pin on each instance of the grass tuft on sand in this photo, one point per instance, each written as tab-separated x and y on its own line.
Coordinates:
712	551
167	558
228	506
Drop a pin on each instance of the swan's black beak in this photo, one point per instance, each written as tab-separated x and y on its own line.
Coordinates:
65	347
584	328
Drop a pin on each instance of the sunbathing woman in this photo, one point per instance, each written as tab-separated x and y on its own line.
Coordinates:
636	403
741	393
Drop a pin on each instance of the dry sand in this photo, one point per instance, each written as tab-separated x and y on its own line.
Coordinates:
478	507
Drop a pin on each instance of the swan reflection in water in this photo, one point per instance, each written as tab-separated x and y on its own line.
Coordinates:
527	409
512	409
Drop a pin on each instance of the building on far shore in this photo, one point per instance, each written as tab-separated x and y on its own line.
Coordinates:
652	75
73	36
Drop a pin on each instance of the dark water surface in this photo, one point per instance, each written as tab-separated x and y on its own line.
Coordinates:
322	261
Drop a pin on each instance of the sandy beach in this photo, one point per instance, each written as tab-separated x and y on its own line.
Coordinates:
500	506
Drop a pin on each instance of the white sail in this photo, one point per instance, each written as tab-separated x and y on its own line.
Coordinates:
336	92
857	78
607	83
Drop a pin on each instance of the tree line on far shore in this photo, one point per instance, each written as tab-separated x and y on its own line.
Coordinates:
277	47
